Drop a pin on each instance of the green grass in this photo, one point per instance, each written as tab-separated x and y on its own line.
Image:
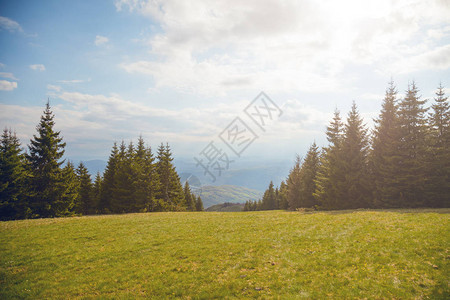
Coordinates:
373	254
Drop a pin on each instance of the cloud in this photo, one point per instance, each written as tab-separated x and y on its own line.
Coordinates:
101	40
52	87
8	75
7	85
215	48
10	25
38	67
73	81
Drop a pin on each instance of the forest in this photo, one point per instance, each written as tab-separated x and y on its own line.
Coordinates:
403	163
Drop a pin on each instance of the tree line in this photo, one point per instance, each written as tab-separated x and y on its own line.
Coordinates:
403	163
38	184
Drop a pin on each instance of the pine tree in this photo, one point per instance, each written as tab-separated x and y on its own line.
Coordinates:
69	188
294	186
189	201
170	191
354	163
283	196
438	158
308	174
330	176
411	175
145	177
108	182
96	192
384	158
122	200
85	205
199	204
269	198
45	153
12	178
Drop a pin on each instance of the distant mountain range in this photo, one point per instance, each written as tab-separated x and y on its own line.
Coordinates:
226	207
212	195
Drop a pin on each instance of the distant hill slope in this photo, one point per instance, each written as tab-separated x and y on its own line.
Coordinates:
212	195
226	207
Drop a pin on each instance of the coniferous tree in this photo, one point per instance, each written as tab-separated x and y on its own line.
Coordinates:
45	152
412	149
96	192
199	204
355	189
189	201
69	186
283	196
12	178
170	191
122	200
145	177
384	157
108	182
294	185
85	204
269	199
308	174
438	156
330	177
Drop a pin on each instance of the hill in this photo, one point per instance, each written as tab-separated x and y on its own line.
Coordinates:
226	207
212	195
400	254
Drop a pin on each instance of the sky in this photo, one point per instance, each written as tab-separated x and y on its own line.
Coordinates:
182	71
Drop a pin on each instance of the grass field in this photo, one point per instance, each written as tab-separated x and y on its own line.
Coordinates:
274	254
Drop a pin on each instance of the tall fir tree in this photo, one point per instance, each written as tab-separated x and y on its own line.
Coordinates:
189	198
269	201
384	157
108	182
12	178
45	152
122	200
356	186
438	156
412	149
283	196
85	203
96	192
199	204
308	175
329	192
294	186
170	191
70	187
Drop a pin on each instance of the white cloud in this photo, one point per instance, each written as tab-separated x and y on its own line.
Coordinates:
7	85
38	67
52	87
73	81
8	75
101	40
216	47
10	25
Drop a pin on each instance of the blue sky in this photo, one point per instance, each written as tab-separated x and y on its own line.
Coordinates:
181	71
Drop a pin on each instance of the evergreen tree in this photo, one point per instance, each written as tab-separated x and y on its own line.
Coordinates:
170	190
69	188
45	153
85	203
269	198
308	174
12	178
412	175
190	202
330	176
108	182
356	189
96	192
384	158
283	196
199	204
438	188
145	177
122	200
294	186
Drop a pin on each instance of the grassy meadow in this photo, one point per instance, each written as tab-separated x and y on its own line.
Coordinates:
272	254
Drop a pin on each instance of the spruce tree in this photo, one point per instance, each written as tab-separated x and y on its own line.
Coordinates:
283	196
269	198
330	176
294	186
12	178
199	204
108	182
96	192
45	152
384	157
70	187
170	191
412	149
438	156
354	163
189	201
86	205
122	200
308	175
